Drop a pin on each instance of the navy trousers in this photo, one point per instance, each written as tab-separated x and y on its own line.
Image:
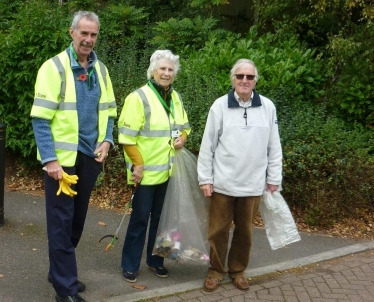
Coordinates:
147	207
65	221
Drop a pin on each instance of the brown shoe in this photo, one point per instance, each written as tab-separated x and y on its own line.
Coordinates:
211	284
241	283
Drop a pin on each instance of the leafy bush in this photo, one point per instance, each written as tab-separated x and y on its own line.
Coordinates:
177	34
328	164
121	23
351	62
38	31
287	70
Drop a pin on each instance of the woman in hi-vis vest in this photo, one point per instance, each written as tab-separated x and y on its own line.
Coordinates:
152	124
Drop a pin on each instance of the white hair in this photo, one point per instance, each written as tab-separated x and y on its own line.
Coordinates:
240	63
162	54
84	14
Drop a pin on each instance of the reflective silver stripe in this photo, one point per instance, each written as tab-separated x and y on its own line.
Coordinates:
103	72
45	103
67	106
72	106
61	70
103	106
186	126
164	167
154	133
112	104
127	131
147	110
178	126
106	106
145	133
157	167
66	146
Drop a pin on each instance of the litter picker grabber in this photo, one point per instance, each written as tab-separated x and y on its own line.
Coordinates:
115	236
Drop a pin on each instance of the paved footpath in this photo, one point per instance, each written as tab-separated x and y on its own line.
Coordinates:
349	278
318	268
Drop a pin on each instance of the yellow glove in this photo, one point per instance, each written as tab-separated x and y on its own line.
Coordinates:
65	183
69	179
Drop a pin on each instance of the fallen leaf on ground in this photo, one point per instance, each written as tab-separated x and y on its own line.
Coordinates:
138	286
102	223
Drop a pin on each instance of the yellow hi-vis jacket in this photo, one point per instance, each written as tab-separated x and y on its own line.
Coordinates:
145	123
55	100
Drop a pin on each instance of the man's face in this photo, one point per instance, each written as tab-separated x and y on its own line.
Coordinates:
244	86
84	38
164	73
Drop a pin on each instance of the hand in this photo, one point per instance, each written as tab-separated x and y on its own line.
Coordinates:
207	189
65	184
54	170
271	188
137	174
179	142
102	152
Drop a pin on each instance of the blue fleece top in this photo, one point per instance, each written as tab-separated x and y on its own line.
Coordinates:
88	96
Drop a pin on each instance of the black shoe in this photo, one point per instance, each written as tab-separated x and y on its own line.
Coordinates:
130	277
161	271
81	286
75	298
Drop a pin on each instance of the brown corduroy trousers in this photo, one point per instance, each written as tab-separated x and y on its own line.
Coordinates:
223	211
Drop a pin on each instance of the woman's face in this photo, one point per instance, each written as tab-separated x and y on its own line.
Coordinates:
164	73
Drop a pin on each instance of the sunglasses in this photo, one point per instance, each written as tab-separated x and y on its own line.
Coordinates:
248	76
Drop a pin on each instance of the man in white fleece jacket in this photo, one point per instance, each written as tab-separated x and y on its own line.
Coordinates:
240	156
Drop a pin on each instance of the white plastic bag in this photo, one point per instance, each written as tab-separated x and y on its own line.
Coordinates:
280	226
183	228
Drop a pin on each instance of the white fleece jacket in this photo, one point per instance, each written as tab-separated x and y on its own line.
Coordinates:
239	154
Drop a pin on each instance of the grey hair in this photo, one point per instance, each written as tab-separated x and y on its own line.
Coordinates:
240	63
84	14
162	54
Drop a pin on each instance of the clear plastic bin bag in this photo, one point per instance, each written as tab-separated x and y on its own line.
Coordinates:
183	227
279	224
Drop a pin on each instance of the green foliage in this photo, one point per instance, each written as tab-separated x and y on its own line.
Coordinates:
317	67
7	11
328	164
121	22
199	89
177	34
161	11
208	3
312	20
127	67
37	32
351	63
343	33
287	70
76	5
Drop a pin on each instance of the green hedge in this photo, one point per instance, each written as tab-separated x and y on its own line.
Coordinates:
328	157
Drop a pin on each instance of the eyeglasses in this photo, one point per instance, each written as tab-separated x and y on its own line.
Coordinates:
248	76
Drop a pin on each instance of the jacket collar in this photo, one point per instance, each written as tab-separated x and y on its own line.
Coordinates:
161	90
232	102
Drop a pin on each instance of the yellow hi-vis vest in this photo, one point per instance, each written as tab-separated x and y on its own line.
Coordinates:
144	122
55	100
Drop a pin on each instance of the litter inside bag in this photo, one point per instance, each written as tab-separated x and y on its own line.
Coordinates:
183	226
279	224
